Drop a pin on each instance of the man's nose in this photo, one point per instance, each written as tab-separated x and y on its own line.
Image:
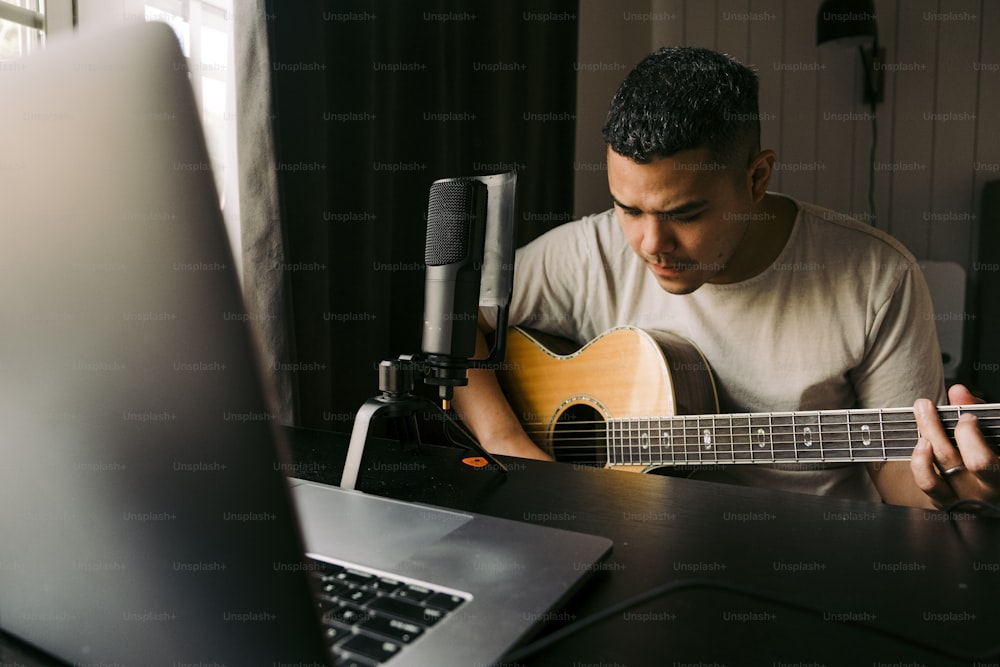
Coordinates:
658	236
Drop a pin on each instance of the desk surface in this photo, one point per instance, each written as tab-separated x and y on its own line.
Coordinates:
905	571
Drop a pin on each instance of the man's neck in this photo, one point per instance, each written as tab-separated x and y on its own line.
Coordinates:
770	226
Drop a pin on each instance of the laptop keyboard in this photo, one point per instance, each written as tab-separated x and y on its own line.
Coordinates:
369	618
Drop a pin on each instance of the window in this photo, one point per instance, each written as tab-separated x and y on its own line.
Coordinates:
204	29
22	28
24	24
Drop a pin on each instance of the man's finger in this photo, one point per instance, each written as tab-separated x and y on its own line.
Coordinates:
926	477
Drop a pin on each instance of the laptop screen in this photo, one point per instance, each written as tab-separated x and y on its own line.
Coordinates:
144	516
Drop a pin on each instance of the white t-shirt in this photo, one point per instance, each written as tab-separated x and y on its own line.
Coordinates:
841	319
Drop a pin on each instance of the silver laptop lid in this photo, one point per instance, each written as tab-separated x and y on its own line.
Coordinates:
144	519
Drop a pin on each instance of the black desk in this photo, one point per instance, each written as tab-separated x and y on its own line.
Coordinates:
902	570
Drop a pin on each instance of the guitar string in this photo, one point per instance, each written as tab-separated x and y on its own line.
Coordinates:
830	439
783	430
764	417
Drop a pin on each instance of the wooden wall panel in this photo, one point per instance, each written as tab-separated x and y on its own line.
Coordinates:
910	72
765	49
734	22
986	159
799	71
953	122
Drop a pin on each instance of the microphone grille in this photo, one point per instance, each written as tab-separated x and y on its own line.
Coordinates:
450	205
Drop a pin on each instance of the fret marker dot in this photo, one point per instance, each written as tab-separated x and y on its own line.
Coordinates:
866	435
807	432
706	437
761	433
644	440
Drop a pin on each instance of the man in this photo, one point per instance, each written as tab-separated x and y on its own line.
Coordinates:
793	306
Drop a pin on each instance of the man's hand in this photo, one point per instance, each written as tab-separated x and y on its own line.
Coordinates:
946	473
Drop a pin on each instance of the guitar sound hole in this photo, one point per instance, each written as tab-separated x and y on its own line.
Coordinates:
578	436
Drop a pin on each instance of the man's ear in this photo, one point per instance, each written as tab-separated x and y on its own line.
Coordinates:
759	174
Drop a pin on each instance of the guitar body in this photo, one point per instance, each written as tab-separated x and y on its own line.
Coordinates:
563	394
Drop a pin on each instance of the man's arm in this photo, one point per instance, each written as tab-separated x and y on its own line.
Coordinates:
485	410
895	483
901	363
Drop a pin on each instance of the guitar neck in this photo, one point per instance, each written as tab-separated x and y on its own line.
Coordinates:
781	437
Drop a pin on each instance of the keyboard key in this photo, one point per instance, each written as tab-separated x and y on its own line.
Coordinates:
406	610
377	649
333	589
355	577
325	569
402	631
355	661
444	601
385	585
335	633
347	615
358	596
415	593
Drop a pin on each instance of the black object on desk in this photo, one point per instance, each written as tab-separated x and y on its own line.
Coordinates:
880	585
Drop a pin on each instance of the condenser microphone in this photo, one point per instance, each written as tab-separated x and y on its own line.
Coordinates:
453	253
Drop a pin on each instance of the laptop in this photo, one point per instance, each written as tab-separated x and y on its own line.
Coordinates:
144	517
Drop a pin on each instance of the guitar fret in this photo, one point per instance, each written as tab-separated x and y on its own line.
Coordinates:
612	443
631	438
723	438
673	443
759	438
660	453
740	425
901	433
670	443
770	434
863	434
633	453
819	435
783	438
692	449
881	432
809	430
711	439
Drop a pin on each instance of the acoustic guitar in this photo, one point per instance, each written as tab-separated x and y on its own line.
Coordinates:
640	400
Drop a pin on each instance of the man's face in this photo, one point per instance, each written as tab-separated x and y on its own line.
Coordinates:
685	216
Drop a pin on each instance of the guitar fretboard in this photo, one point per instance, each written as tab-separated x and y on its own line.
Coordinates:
789	437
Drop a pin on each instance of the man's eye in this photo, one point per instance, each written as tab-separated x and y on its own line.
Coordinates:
669	217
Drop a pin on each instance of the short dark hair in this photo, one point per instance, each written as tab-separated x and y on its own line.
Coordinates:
682	98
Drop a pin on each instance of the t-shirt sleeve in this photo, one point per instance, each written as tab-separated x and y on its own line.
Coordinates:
558	278
902	360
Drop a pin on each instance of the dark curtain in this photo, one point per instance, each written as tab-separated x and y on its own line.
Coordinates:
372	102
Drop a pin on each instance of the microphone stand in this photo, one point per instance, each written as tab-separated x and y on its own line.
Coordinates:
397	401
